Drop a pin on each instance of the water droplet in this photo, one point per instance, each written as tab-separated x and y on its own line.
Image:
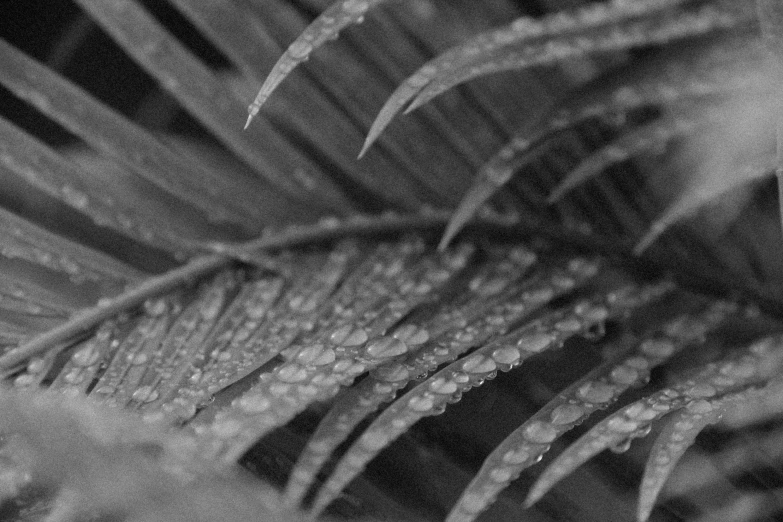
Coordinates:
583	267
699	407
540	295
421	403
411	335
701	390
85	356
490	287
540	432
279	388
145	394
36	365
516	457
566	414
522	256
465	336
640	412
500	475
299	50
536	342
622	425
316	355
375	440
473	503
721	381
563	282
596	392
355	369
763	346
302	304
507	355
443	386
341	334
479	363
460	378
24	380
226	428
292	373
75	197
568	325
592	312
622	446
357	337
252	403
391	373
739	371
385	347
355	6
638	363
659	348
104	390
74	376
138	359
624	375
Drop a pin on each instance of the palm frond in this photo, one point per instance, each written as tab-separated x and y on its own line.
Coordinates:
203	283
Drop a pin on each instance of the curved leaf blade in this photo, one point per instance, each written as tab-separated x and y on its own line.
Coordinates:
656	29
25	240
701	70
754	364
327	26
526	445
523	29
701	194
676	437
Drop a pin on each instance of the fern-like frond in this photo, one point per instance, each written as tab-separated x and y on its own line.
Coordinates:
199	280
448	385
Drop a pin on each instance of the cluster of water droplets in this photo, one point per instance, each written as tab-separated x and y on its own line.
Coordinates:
87	359
751	365
432	396
676	437
526	445
349	340
483	290
120	381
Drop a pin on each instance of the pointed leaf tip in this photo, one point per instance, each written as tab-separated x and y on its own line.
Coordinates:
390	109
327	26
485	186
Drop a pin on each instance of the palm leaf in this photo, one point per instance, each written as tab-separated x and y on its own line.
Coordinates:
206	288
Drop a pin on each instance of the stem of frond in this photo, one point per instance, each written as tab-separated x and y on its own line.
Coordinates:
253	252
